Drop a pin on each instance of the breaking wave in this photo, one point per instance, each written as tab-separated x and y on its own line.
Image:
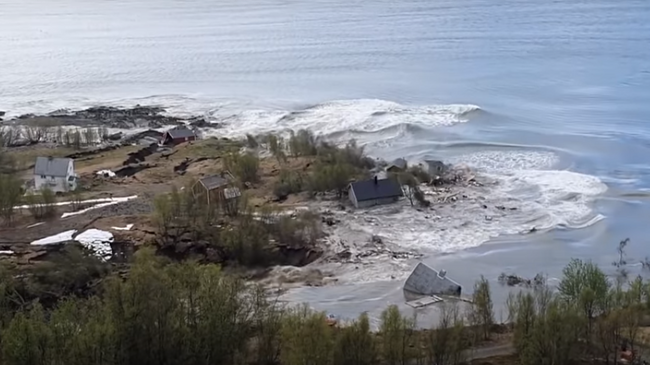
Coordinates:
339	119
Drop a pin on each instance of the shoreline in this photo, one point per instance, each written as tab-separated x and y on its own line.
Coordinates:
398	267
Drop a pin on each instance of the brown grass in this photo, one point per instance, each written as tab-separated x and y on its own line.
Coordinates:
26	156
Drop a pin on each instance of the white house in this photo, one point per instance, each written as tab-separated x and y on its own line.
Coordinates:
56	174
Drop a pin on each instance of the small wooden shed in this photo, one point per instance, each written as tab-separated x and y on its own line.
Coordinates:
217	189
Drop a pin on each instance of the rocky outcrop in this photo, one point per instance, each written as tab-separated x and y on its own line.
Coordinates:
515	280
125	118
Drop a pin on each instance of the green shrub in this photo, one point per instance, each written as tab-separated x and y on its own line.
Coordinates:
245	167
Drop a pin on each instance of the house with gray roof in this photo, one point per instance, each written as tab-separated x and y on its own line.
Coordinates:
397	165
368	193
429	282
56	174
435	168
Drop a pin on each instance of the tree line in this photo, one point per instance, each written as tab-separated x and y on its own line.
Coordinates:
185	313
74	138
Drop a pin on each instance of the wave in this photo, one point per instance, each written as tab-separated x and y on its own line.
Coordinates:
342	118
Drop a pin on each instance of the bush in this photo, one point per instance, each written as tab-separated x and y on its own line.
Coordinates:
251	141
10	195
328	177
42	205
419	174
289	182
303	143
245	167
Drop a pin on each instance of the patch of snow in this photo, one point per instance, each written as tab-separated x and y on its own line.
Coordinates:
101	205
126	228
6	252
97	241
90	201
35	224
57	238
107	173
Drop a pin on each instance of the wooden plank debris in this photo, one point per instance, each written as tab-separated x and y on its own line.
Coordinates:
423	302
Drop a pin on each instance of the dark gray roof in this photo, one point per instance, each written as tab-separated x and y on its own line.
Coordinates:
52	166
434	162
181	133
400	163
376	189
427	281
213	182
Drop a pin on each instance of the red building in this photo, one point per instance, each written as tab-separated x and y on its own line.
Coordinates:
177	136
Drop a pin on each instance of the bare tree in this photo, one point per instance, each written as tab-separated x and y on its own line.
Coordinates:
33	134
446	345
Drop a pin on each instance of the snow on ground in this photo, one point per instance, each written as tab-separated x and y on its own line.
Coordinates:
57	238
97	241
107	173
103	203
6	252
125	228
90	201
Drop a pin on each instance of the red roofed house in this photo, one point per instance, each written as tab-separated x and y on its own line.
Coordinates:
177	136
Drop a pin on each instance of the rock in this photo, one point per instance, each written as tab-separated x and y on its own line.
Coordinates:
2	113
125	118
344	255
198	122
115	136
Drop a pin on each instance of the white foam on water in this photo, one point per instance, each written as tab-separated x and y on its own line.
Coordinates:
522	193
366	115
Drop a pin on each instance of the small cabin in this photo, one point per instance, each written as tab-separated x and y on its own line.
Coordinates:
217	190
177	136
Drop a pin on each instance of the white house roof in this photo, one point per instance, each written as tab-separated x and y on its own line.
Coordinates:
50	166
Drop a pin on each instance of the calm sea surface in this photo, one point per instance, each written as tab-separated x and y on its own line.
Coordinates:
502	85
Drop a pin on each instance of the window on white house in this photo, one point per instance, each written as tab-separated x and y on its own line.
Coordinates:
43	177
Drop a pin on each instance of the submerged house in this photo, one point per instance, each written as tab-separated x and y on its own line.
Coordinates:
177	136
56	174
427	281
368	193
435	168
399	165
